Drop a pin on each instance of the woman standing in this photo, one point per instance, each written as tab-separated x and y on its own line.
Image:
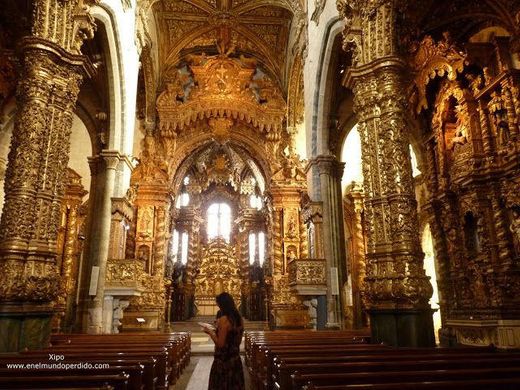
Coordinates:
226	371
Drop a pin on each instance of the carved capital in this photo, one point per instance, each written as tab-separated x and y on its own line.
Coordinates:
329	165
370	28
65	23
111	158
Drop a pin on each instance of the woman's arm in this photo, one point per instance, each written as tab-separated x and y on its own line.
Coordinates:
223	327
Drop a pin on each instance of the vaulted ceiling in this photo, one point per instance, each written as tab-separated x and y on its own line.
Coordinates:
258	29
461	18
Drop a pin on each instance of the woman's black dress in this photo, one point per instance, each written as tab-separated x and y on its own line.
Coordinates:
226	371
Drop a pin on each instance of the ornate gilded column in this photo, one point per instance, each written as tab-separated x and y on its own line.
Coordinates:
50	75
287	185
122	216
353	206
69	249
331	171
397	289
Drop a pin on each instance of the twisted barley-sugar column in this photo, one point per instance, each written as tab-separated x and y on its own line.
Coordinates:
304	238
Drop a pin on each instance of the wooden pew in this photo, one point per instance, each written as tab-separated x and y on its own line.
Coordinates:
148	361
148	377
86	355
403	371
325	361
135	373
284	366
259	344
115	382
467	384
178	344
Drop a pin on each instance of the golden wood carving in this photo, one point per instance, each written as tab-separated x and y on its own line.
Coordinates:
47	92
125	273
221	87
308	277
70	244
261	29
355	246
432	60
218	272
395	275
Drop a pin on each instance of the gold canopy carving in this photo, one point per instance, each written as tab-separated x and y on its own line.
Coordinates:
435	59
221	87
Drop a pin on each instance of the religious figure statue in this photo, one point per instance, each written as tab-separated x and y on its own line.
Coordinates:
459	138
487	76
291	255
475	83
498	111
514	227
291	228
143	254
461	132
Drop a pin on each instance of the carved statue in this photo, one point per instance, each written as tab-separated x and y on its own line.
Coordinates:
514	227
291	255
499	116
118	315
487	76
143	254
459	137
291	228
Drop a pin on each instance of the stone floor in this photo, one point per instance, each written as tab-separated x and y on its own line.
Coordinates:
196	375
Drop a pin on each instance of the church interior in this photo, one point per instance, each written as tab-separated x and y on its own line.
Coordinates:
348	170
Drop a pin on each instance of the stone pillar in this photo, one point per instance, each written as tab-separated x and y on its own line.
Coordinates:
108	314
397	289
100	241
331	171
46	97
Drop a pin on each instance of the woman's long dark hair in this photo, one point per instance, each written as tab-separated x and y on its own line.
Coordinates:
227	307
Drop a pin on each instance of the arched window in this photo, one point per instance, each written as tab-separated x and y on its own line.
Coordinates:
430	270
175	246
180	246
255	202
415	166
252	248
219	221
351	155
183	199
184	248
257	247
